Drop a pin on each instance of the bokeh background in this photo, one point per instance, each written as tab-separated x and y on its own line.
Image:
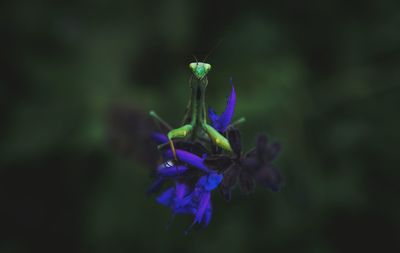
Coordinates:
78	77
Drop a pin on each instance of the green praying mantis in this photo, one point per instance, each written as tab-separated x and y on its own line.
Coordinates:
195	119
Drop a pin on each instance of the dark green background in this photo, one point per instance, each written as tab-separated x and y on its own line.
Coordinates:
322	77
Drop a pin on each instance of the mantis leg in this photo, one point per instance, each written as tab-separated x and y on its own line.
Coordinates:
180	132
159	120
237	122
216	137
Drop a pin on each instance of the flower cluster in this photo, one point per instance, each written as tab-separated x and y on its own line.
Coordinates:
197	166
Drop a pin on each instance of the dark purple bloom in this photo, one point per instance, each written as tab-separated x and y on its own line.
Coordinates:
252	166
266	173
222	121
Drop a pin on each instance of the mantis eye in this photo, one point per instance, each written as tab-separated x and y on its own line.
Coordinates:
207	67
193	66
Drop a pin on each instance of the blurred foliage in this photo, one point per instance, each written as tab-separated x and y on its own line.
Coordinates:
322	77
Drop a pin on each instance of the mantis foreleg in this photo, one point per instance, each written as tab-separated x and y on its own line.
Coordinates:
217	138
180	132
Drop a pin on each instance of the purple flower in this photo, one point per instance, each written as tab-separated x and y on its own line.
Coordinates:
198	202
222	121
176	199
201	198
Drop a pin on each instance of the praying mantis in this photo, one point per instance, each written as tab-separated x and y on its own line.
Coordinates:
195	119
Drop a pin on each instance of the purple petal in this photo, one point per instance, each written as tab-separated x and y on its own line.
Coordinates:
273	151
235	140
208	214
159	138
270	177
222	122
170	170
166	197
226	193
252	164
201	182
182	201
246	181
204	203
188	158
213	116
261	146
209	182
213	181
218	161
226	117
180	190
230	176
156	185
184	210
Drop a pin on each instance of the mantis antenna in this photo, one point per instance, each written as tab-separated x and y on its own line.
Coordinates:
212	49
195	59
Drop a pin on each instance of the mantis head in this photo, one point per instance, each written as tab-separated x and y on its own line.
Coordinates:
199	69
